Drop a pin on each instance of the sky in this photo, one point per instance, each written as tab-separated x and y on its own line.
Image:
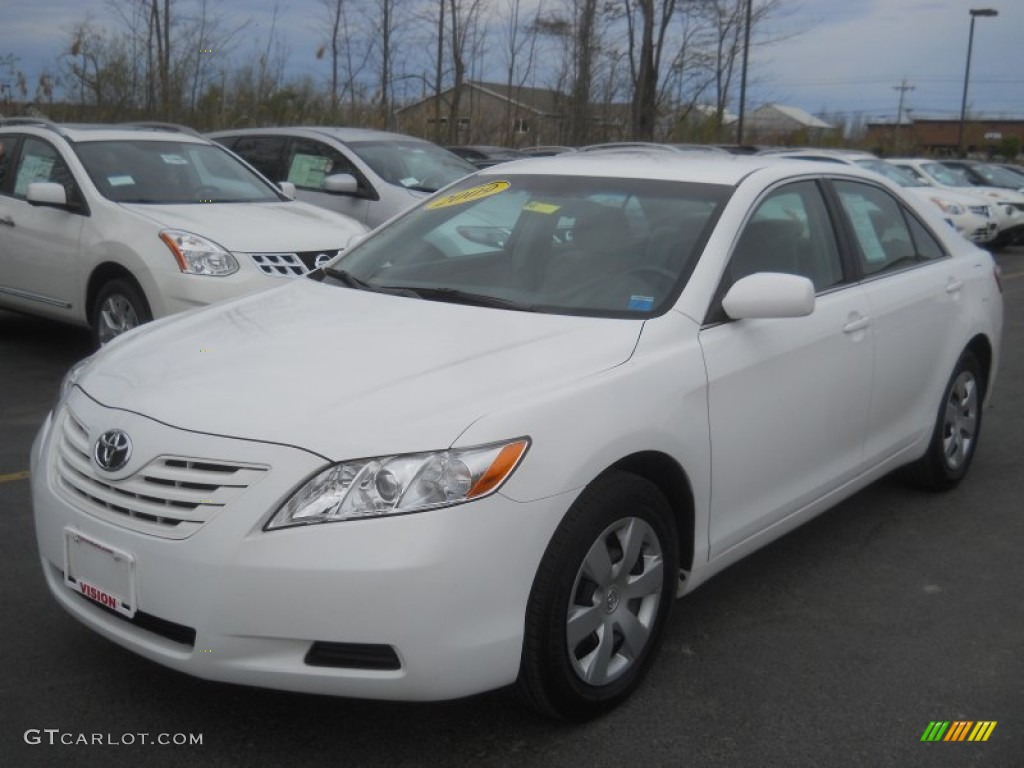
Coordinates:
830	56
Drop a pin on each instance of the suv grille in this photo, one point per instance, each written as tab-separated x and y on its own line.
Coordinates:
980	210
171	497
289	264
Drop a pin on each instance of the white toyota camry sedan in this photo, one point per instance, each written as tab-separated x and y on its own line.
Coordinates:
490	444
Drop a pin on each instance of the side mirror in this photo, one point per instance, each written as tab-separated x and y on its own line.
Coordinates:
769	294
47	193
287	189
341	183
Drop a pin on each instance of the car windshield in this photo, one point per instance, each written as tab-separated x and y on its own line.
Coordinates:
416	165
891	172
566	245
951	177
164	172
998	177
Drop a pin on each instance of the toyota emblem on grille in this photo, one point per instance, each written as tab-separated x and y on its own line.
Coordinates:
112	451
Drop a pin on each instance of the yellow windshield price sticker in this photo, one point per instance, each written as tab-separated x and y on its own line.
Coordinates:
538	207
469	195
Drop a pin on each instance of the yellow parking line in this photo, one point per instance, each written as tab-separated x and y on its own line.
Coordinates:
10	478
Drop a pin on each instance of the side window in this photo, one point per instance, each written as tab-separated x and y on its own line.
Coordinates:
7	146
927	246
789	231
310	162
40	161
263	153
881	229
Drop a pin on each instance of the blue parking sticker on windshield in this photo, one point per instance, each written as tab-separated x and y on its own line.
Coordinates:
640	303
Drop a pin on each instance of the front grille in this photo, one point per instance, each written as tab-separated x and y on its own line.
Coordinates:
980	210
171	496
352	656
170	630
295	264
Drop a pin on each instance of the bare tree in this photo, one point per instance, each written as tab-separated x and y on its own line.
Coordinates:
654	18
726	19
520	40
463	17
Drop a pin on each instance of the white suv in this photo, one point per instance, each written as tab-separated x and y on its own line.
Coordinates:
112	226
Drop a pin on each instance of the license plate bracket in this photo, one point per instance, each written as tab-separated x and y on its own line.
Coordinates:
100	572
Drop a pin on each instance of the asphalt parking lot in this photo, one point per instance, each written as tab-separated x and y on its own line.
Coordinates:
836	645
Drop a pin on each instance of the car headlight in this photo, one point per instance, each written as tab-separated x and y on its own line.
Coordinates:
197	255
947	206
396	485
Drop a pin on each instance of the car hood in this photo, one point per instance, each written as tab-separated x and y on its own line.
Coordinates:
347	373
257	227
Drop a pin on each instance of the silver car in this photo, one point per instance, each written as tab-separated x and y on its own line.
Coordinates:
366	174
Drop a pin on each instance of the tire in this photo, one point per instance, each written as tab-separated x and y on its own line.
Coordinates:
610	571
957	429
119	306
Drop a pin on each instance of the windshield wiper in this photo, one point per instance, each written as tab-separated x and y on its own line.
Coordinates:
456	296
349	280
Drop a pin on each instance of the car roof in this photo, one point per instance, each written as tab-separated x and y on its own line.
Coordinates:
86	132
340	133
697	167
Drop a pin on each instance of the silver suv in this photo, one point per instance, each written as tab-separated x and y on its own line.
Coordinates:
111	226
366	174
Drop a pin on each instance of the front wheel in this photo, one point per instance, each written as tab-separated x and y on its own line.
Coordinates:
957	429
600	599
119	306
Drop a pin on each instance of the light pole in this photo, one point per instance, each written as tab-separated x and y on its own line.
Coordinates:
743	75
975	12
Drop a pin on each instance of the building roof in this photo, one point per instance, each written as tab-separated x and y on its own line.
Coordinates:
801	116
541	101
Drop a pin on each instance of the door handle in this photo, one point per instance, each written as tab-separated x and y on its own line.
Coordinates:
8	220
954	285
859	324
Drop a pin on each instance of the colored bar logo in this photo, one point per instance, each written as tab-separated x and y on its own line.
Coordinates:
958	730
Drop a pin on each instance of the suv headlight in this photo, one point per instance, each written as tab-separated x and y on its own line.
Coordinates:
395	485
198	256
951	208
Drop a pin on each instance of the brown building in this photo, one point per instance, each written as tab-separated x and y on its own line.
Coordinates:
939	137
488	113
493	113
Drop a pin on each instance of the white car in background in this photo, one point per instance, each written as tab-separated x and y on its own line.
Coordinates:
969	214
1007	204
366	174
109	226
507	429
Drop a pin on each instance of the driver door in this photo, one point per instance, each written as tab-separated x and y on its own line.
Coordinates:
788	397
308	163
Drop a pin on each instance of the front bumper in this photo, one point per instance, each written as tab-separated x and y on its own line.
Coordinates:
445	589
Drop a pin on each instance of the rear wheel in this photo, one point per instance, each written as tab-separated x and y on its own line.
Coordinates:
600	600
119	306
957	428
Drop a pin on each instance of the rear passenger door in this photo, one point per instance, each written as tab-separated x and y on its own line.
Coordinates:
914	301
788	397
